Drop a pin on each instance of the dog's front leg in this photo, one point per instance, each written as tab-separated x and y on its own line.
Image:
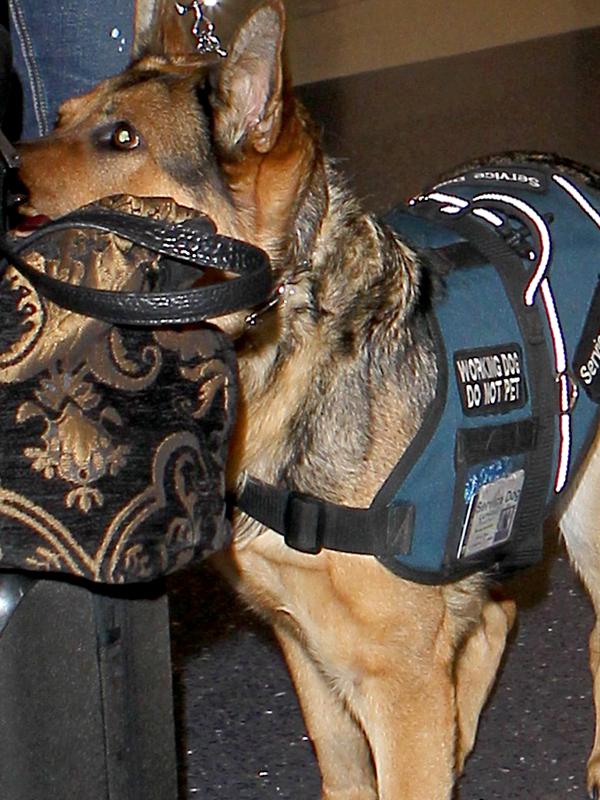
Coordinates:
410	720
580	526
390	653
371	699
340	744
476	669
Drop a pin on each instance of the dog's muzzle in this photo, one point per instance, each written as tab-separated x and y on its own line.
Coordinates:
116	397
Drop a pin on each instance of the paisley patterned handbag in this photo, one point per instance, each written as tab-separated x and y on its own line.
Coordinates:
115	435
116	405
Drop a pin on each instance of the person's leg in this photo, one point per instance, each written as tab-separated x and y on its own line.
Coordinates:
62	48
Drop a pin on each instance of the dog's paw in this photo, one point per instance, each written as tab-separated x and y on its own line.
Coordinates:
593	777
356	793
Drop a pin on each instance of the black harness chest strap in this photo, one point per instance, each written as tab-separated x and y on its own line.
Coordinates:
310	524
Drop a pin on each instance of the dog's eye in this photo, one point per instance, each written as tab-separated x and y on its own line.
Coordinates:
125	137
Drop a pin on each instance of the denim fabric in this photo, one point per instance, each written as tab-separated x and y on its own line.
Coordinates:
62	48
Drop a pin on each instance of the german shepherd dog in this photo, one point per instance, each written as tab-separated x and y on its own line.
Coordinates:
335	376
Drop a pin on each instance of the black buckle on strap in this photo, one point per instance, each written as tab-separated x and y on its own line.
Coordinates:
303	523
400	528
310	524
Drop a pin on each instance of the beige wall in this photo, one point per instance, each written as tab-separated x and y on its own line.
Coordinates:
329	38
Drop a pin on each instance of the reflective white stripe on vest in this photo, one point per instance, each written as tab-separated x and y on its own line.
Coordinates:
538	280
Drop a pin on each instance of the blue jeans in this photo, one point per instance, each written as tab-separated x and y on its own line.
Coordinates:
62	48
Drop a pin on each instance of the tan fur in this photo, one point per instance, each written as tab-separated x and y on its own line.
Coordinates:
579	526
391	675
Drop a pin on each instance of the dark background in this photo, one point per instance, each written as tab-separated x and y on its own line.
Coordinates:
240	731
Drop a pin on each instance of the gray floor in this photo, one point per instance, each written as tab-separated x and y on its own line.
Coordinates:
241	734
244	735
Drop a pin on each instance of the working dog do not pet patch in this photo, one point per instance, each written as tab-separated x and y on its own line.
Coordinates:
491	380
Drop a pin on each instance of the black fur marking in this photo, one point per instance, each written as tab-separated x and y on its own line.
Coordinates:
203	97
137	77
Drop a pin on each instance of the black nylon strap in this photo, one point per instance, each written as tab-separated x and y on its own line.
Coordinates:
310	524
480	245
474	445
193	242
461	255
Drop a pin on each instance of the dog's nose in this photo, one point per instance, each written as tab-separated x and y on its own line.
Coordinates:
15	198
16	195
16	191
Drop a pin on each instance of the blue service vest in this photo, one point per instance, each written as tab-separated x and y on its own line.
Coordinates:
518	346
517	337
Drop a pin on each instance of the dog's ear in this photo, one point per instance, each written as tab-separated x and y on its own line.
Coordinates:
248	100
159	30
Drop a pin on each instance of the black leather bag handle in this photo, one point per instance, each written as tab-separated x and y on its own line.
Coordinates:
193	243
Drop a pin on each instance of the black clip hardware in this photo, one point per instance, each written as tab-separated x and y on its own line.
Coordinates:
303	523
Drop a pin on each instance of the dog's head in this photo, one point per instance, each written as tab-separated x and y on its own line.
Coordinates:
224	136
